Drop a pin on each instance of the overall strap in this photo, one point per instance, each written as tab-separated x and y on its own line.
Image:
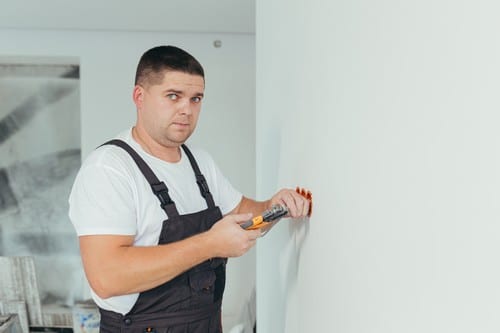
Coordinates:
200	179
159	188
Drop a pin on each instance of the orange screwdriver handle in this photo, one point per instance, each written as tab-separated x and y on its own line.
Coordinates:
250	224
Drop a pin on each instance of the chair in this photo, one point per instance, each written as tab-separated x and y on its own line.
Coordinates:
18	284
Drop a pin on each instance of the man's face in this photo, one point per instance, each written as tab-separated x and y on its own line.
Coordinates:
169	111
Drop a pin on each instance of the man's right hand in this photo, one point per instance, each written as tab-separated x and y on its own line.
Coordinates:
230	240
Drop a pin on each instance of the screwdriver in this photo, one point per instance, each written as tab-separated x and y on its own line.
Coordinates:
272	214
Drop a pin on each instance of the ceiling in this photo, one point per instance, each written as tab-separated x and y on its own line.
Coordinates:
230	16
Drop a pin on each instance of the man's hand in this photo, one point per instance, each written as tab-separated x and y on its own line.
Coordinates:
230	240
297	205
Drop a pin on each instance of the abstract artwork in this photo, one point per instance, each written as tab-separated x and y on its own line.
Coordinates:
39	158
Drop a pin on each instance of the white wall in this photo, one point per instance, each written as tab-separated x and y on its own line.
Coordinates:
107	68
388	111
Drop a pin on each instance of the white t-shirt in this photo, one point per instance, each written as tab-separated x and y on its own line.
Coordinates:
111	196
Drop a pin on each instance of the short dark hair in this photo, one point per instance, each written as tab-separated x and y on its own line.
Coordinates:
154	62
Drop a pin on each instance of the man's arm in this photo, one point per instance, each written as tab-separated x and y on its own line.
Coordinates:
115	267
297	205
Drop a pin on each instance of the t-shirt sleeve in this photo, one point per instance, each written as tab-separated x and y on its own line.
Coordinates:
102	202
225	196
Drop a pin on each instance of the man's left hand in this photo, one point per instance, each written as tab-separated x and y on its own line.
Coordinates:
297	205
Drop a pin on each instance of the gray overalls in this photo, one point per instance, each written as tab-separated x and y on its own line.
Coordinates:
191	302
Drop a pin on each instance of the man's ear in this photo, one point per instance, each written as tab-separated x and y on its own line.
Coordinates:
138	95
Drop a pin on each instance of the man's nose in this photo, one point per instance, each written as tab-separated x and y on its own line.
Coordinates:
186	107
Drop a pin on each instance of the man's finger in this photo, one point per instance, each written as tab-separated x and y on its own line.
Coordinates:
239	218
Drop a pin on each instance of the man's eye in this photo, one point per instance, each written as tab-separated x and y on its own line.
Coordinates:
196	99
173	97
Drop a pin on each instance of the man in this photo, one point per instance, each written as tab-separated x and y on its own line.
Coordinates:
156	221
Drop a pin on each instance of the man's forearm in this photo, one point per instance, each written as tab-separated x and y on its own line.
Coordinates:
114	268
247	205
